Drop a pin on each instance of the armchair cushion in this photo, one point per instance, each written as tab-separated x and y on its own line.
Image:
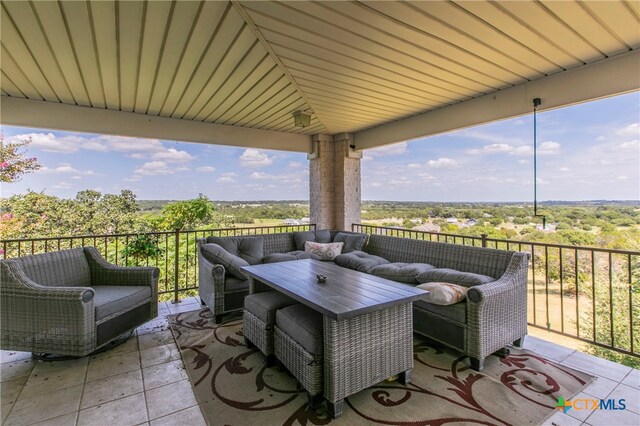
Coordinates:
320	236
359	261
352	242
250	249
466	279
218	255
111	299
401	272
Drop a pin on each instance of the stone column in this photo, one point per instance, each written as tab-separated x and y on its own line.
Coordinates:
334	182
348	184
321	183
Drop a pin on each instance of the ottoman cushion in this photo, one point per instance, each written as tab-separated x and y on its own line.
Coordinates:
302	324
264	305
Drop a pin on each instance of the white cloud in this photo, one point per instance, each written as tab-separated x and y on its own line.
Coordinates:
64	168
206	169
228	177
225	179
632	146
413	166
154	168
564	169
172	155
260	175
254	158
632	130
62	185
103	143
384	151
545	148
442	163
523	161
375	184
295	165
494	148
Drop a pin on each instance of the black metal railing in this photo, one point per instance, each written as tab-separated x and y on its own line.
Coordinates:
174	252
587	293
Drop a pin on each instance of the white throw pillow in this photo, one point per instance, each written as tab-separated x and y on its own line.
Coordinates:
444	293
324	251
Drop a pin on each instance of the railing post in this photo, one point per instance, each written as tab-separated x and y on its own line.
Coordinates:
176	266
484	239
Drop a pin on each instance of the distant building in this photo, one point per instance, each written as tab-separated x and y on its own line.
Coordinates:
471	222
428	227
291	222
305	220
416	221
452	220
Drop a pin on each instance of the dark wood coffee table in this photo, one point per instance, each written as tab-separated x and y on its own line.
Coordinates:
368	322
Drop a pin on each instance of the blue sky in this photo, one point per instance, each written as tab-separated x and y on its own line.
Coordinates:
588	151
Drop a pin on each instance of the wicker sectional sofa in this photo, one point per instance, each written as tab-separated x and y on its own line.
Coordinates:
493	315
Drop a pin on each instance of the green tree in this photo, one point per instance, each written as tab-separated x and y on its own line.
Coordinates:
187	214
13	162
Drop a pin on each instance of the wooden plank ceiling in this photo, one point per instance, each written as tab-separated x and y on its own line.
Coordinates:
355	65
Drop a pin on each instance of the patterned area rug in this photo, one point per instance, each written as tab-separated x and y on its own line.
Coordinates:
233	387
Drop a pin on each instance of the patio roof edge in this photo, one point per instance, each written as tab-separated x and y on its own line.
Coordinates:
612	76
57	116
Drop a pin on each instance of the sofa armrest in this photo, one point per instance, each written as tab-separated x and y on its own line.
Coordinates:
497	311
105	273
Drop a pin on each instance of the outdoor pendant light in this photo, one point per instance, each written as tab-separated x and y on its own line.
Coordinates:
301	118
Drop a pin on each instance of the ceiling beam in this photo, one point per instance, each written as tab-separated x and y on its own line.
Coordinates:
612	76
57	116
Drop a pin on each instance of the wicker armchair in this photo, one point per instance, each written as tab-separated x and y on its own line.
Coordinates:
72	302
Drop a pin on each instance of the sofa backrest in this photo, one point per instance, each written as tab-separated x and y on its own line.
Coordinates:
273	243
65	268
478	260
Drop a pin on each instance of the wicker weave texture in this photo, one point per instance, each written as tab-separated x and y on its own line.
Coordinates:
497	311
362	351
60	319
304	366
257	333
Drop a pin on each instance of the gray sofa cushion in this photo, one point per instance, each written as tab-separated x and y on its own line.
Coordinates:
111	299
302	324
320	236
359	261
446	275
352	242
250	249
218	255
457	312
401	272
285	257
264	305
232	283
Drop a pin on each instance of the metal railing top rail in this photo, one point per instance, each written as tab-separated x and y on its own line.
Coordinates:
293	228
356	226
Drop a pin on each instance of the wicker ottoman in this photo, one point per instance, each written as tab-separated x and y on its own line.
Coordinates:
298	345
259	318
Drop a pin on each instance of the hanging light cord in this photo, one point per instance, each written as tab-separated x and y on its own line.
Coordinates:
536	102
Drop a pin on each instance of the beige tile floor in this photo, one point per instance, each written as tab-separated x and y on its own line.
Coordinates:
143	382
